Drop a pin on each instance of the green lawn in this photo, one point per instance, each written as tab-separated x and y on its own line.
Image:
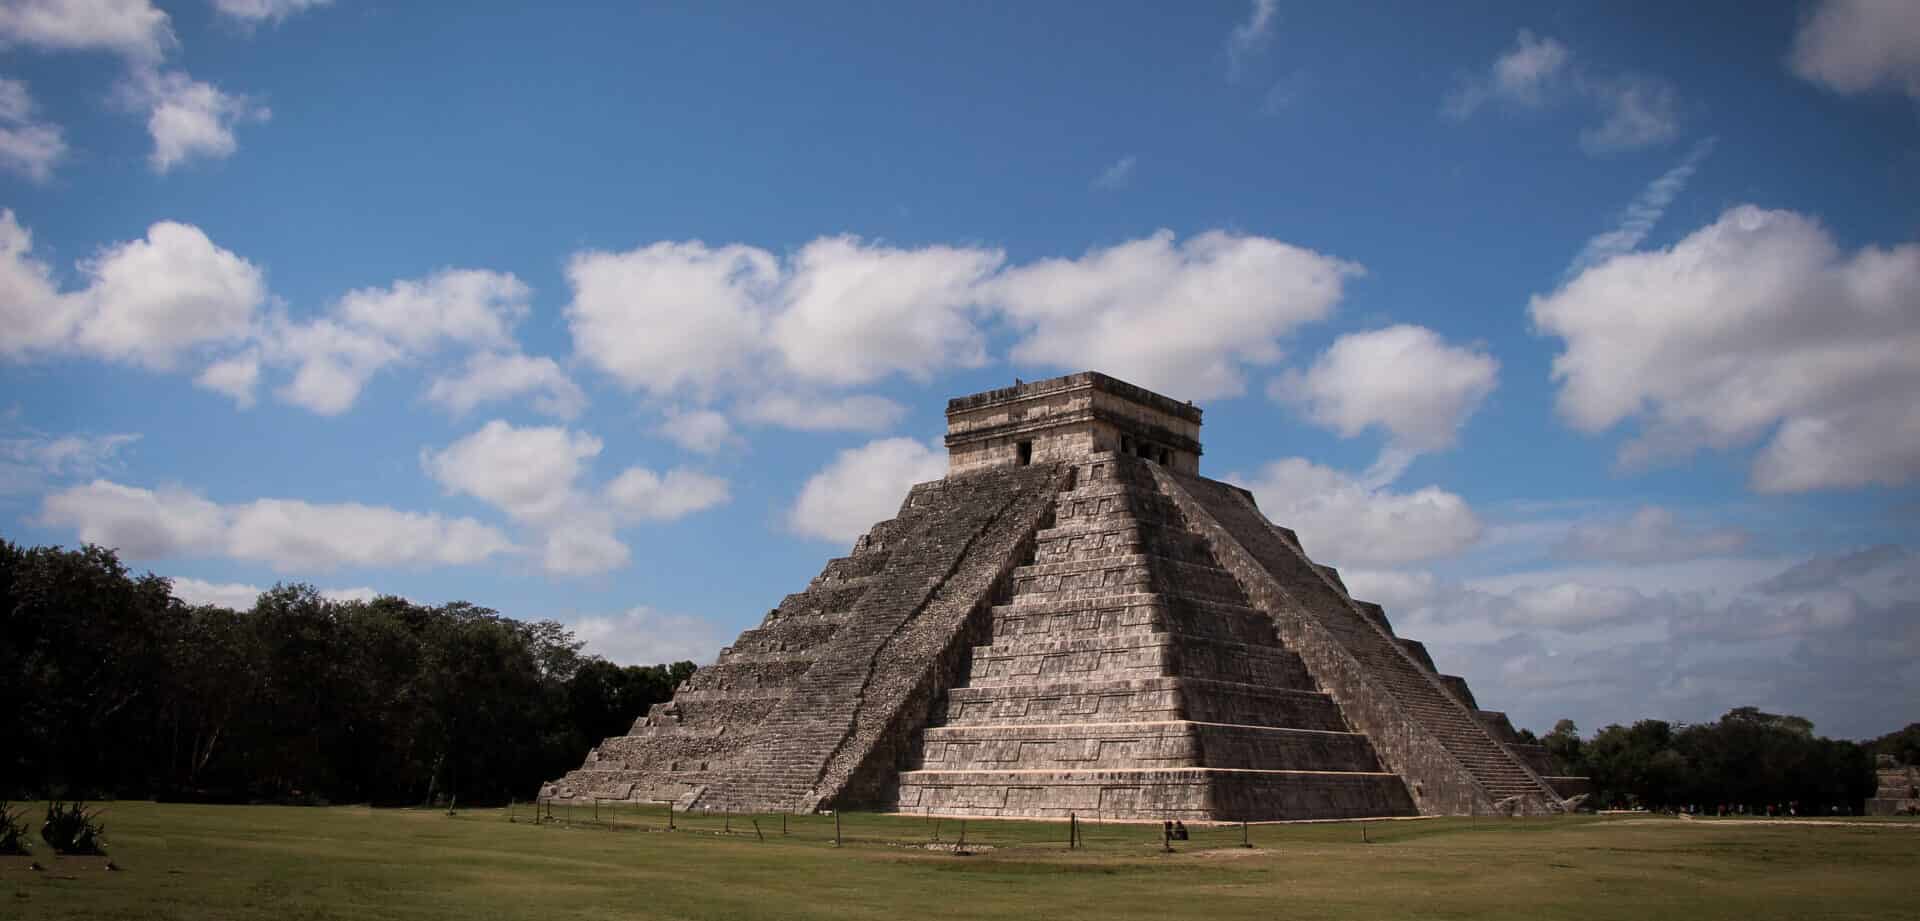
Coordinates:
218	862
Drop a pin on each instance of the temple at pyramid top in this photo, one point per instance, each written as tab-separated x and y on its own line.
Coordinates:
1068	419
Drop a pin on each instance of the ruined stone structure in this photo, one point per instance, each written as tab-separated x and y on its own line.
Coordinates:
1074	620
1899	788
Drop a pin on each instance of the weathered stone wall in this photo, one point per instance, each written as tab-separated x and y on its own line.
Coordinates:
1419	730
930	656
682	745
859	697
1067	418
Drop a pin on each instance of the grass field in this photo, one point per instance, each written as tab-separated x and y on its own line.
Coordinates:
221	862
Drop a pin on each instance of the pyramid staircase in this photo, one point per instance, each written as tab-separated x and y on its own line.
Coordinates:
1128	677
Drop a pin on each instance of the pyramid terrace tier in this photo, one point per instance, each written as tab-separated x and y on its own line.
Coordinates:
1133	612
1168	744
1198	794
1128	574
1135	655
1139	700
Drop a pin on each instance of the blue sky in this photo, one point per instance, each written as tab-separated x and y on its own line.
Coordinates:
1583	336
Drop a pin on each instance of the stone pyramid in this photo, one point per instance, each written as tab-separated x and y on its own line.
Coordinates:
1074	620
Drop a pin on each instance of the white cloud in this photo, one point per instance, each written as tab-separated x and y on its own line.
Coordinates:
527	472
286	533
1755	324
253	12
1855	46
235	376
671	316
369	329
146	301
1639	112
645	636
1645	211
1832	637
686	318
856	413
132	28
1404	379
639	494
294	534
1343	521
27	146
1179	318
1117	176
188	118
1571	606
1395	590
1250	38
334	361
534	475
240	596
863	486
235	595
151	301
1523	75
33	313
583	545
700	430
468	306
1651	535
491	376
854	312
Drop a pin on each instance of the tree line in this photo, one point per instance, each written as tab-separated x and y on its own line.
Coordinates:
112	686
1747	758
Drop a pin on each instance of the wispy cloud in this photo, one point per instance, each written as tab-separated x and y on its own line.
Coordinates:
1643	213
1635	110
1117	176
1284	93
1523	75
1250	38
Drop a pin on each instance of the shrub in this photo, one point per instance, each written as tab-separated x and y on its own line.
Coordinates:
71	829
13	831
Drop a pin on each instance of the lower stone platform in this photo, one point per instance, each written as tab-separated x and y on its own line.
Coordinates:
1156	793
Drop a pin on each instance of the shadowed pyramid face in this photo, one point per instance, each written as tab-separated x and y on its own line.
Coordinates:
1068	419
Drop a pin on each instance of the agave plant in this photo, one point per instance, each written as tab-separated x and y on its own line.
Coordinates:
13	830
72	829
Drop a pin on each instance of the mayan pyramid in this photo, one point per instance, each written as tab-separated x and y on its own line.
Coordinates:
1074	620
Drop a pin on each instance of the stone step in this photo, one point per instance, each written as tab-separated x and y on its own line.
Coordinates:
1388	663
1135	655
1155	794
1139	700
1173	743
1125	575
